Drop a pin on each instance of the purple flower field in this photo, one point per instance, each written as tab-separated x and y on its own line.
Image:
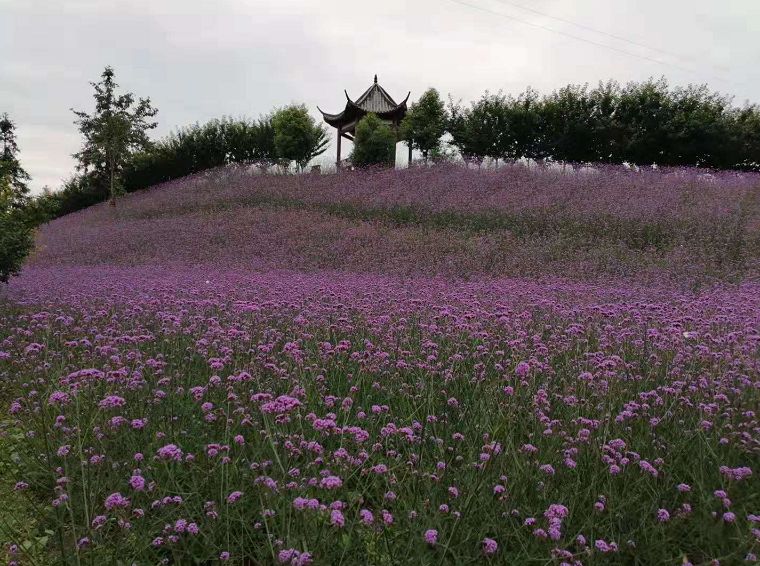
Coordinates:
414	367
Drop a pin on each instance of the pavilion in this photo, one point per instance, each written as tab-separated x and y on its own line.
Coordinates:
376	100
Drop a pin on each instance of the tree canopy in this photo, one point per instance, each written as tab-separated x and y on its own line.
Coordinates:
200	147
297	137
425	123
113	132
640	123
14	188
374	143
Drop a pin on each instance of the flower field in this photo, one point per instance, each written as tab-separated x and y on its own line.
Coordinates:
358	369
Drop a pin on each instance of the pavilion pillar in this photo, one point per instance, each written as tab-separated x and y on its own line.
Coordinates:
409	145
340	135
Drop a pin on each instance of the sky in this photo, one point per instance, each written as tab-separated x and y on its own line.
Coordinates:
203	59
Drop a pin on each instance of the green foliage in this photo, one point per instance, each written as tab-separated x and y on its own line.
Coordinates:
77	192
201	147
642	123
15	229
14	189
15	233
425	123
475	130
116	130
374	143
297	137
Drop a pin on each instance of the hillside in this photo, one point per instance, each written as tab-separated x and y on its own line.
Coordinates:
680	225
421	367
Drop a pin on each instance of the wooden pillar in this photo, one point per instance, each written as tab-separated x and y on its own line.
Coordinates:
340	135
409	145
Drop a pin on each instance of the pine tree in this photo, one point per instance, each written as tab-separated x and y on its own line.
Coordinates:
14	188
112	133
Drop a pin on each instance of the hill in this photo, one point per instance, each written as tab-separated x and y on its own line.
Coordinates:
432	366
680	225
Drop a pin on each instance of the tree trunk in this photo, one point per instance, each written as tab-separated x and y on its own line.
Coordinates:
112	201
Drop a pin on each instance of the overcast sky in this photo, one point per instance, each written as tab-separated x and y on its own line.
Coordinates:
201	59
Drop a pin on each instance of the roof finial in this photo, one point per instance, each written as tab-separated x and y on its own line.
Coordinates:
375	78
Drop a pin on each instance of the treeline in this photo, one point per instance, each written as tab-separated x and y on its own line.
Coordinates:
189	150
201	147
646	123
117	156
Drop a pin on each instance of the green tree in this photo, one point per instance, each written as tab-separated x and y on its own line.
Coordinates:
744	128
251	141
477	131
15	233
425	123
15	178
297	137
569	131
374	143
698	128
526	125
114	132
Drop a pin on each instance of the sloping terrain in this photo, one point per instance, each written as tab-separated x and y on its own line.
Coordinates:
422	367
677	224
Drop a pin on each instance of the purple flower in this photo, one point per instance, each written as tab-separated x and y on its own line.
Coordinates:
431	537
366	516
112	401
331	482
58	398
116	500
234	496
489	546
337	519
548	469
137	482
522	369
170	452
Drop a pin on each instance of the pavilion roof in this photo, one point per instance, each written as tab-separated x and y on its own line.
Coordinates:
375	99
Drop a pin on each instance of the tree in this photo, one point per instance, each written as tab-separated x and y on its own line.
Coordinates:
477	131
114	132
568	124
374	143
15	233
297	137
744	125
698	128
608	134
526	125
12	175
251	141
425	123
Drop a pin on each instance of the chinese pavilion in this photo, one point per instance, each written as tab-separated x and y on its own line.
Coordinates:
376	100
